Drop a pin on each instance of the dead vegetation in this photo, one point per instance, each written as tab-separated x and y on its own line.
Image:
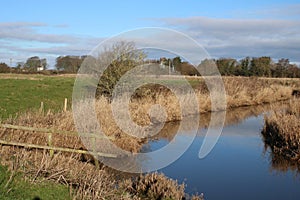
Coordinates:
85	180
255	91
282	132
78	172
240	91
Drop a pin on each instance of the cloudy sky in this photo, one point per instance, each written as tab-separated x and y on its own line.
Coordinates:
224	28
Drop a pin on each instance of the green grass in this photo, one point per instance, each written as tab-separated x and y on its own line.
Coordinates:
27	93
17	188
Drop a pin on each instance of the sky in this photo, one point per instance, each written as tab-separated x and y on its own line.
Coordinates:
224	28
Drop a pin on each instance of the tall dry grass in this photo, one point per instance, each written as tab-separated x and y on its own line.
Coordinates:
282	131
243	91
77	171
255	91
85	180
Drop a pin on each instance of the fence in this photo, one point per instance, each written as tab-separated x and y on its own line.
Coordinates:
49	146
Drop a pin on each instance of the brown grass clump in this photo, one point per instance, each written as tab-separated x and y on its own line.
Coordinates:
155	186
282	131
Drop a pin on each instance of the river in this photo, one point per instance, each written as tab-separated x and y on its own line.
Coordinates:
240	166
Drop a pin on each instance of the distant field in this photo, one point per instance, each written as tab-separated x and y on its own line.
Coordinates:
19	93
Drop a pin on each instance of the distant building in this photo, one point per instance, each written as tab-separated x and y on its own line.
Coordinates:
40	68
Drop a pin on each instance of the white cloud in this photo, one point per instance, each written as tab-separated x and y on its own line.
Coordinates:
238	38
235	38
20	40
282	11
27	32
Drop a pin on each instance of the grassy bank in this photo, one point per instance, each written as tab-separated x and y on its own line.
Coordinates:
13	186
282	132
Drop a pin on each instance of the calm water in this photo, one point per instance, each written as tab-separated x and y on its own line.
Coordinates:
238	167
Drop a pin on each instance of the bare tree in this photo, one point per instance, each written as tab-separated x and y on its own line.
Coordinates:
116	60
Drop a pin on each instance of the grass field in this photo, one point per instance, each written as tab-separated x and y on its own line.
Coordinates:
14	187
26	92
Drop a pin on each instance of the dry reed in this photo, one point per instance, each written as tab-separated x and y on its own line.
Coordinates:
282	131
85	180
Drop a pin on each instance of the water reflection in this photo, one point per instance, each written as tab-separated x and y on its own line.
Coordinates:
239	167
233	117
281	164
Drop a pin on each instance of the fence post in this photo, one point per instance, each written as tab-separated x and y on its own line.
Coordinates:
42	107
50	144
95	151
65	104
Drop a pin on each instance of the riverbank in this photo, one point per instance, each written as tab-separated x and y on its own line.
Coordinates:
85	180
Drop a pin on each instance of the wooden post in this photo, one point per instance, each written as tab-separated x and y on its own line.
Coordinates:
65	104
50	144
95	151
42	107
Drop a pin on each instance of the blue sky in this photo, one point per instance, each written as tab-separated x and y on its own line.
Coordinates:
225	28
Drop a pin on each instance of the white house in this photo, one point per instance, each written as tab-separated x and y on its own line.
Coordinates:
40	68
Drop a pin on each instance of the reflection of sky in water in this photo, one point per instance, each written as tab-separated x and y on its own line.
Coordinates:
235	169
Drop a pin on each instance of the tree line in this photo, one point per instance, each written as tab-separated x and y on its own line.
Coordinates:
35	64
256	66
260	66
